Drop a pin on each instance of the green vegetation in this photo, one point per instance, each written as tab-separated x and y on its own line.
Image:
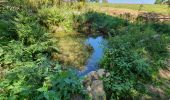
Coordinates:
132	58
162	9
41	39
93	22
158	1
135	52
161	1
28	70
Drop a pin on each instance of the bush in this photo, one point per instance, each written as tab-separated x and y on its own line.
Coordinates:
29	33
93	22
53	16
30	4
131	58
50	16
148	42
28	70
128	71
62	85
158	27
40	82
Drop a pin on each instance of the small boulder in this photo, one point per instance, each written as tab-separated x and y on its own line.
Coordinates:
88	88
94	75
97	90
101	72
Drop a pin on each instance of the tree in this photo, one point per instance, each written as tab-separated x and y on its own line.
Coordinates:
158	1
162	1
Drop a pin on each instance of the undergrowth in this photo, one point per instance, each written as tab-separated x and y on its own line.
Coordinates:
135	51
26	48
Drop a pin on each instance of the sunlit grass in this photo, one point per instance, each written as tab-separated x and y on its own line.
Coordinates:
163	9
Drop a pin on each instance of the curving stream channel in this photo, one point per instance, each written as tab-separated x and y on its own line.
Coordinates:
97	44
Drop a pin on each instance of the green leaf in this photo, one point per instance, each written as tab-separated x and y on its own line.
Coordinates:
43	89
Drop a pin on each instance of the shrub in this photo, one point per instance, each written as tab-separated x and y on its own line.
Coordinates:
62	85
40	82
29	30
53	16
93	22
128	71
131	58
148	42
158	27
30	4
28	72
50	16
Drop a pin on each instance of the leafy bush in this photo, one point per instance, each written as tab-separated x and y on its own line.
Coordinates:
62	85
31	4
146	41
128	70
131	58
40	82
158	27
93	22
6	26
53	16
29	33
50	16
28	70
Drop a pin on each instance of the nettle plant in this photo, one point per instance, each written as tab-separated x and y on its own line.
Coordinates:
131	58
32	81
62	85
128	72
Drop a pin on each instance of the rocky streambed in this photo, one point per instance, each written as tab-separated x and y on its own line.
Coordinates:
92	73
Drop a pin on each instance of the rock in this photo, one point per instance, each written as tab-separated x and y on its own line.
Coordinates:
94	86
87	82
107	74
94	75
88	88
101	72
97	90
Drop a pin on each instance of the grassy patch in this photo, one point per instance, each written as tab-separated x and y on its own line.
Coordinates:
162	9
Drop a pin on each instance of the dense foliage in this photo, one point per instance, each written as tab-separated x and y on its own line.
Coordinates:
161	1
26	47
132	58
127	70
134	53
93	22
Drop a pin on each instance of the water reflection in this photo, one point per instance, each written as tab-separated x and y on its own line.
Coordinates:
92	63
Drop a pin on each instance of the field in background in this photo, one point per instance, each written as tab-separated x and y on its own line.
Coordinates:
162	9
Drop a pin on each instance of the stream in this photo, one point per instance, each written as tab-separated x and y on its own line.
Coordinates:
97	44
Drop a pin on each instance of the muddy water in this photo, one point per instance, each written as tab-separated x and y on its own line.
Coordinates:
97	44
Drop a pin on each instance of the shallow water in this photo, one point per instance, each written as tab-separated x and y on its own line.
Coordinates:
92	63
